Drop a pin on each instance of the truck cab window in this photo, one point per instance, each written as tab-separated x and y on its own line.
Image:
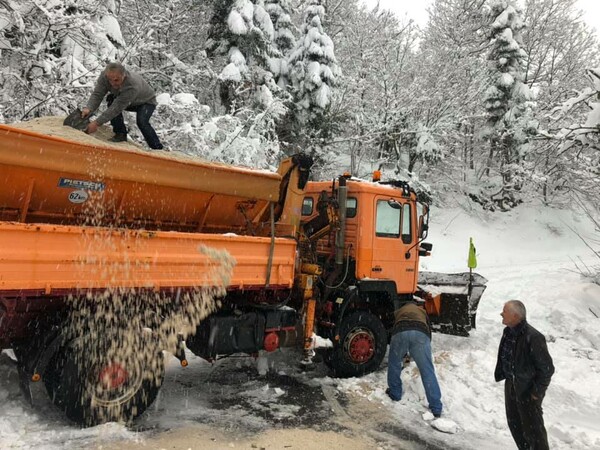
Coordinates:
406	224
307	206
351	205
387	222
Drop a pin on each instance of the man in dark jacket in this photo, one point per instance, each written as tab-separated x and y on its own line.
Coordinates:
526	365
127	91
412	334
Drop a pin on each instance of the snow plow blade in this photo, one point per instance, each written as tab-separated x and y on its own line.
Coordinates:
451	300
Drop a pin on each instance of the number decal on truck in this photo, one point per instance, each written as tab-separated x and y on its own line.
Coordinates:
79	196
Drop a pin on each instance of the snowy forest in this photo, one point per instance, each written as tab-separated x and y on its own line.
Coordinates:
490	111
493	102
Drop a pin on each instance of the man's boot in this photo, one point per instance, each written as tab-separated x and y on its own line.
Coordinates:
119	137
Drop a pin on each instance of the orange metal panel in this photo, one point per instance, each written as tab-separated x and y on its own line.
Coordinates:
368	250
42	178
50	257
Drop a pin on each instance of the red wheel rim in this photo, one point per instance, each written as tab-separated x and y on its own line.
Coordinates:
361	346
113	376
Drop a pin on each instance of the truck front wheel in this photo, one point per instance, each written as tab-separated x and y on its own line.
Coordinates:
361	346
94	392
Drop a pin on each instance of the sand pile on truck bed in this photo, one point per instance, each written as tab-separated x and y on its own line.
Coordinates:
53	126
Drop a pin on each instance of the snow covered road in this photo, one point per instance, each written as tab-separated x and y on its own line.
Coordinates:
231	405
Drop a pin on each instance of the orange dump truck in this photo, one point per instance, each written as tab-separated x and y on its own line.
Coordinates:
78	220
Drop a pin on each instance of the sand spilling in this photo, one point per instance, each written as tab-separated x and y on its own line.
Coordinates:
119	334
113	363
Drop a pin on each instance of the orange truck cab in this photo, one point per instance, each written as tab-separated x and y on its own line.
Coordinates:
382	228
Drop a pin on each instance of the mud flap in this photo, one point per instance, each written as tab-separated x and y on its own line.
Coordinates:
24	385
452	300
33	357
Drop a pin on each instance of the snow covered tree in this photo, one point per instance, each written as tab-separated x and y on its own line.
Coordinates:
313	71
450	83
163	41
191	129
372	104
509	124
284	39
51	50
572	151
560	47
242	31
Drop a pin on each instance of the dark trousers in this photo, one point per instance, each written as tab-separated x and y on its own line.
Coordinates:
525	419
143	114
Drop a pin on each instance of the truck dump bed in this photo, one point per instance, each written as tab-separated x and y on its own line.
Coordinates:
80	216
50	259
52	179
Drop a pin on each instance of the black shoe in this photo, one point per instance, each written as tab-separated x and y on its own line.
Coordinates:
119	137
437	416
387	391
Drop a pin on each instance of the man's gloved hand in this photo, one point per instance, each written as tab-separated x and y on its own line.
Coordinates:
85	112
92	127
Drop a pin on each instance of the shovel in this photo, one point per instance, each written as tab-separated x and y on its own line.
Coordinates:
74	120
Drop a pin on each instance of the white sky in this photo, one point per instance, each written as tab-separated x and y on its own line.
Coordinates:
417	9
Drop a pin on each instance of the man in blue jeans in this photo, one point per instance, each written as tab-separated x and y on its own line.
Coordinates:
127	91
412	335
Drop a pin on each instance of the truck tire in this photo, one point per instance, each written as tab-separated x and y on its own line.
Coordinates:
361	347
92	393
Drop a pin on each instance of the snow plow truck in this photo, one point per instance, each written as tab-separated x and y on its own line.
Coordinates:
332	258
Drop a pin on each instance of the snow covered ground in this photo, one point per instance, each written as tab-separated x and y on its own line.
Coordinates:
528	254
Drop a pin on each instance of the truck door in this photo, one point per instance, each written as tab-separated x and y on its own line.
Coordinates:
393	236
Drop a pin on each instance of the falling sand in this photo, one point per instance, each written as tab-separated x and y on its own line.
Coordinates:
111	364
119	334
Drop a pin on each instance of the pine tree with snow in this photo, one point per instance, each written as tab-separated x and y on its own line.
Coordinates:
313	68
507	101
284	39
242	32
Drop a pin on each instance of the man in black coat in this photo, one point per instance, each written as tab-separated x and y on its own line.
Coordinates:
526	365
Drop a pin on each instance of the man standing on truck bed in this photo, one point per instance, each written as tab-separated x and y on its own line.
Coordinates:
412	334
127	91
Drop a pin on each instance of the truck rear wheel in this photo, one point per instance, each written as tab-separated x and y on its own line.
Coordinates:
361	347
94	392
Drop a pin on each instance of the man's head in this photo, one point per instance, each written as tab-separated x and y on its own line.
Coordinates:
115	74
513	313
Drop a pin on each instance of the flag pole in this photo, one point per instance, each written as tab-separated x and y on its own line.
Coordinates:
472	263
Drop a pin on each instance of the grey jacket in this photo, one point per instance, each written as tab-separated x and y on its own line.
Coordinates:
134	91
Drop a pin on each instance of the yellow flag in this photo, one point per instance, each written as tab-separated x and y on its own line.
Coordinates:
472	261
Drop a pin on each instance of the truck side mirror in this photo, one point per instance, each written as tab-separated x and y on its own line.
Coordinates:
424	228
425	248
